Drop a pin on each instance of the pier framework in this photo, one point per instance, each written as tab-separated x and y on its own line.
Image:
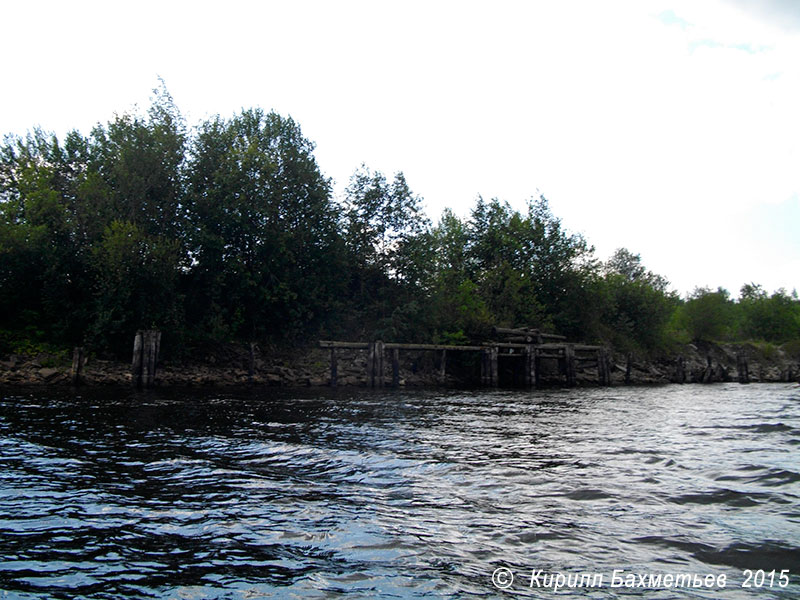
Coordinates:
528	346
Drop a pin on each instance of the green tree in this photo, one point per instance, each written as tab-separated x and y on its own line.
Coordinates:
389	252
636	304
266	255
773	318
708	315
136	286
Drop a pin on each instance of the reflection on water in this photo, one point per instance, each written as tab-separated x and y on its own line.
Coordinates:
409	494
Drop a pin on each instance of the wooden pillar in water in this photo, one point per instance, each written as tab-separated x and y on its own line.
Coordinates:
495	381
530	366
146	347
485	378
680	370
77	365
375	364
443	367
371	365
708	374
628	368
251	367
379	356
569	364
395	367
603	368
334	369
136	364
742	369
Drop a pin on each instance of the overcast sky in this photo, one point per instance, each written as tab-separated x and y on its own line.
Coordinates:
668	127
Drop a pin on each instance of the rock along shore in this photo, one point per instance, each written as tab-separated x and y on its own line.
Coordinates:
231	365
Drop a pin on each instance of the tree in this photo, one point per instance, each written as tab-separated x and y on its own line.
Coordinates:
266	257
773	318
389	252
636	304
709	315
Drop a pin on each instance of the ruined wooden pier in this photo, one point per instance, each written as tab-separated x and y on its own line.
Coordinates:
529	345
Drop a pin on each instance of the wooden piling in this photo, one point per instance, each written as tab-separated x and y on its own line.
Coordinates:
680	370
146	347
395	367
569	365
251	367
742	371
334	369
603	368
371	365
708	373
77	365
494	374
379	354
529	366
628	368
375	364
443	367
136	364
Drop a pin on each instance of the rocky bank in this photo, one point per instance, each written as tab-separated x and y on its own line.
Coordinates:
231	365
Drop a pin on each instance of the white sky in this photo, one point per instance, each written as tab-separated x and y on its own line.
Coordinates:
669	127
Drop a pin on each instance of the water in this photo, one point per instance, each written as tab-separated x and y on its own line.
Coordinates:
409	494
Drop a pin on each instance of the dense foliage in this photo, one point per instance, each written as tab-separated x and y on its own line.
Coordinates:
231	232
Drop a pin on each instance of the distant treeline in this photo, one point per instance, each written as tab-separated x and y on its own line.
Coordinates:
230	232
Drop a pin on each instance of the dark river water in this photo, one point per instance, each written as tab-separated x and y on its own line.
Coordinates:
407	494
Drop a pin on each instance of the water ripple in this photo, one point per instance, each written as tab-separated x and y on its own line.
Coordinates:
419	494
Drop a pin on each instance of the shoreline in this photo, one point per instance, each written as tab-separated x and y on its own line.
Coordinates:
310	367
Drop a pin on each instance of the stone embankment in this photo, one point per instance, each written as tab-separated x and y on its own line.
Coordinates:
229	365
232	365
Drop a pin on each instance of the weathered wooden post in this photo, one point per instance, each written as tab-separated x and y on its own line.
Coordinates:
334	368
371	365
146	346
251	367
136	365
569	364
495	380
680	370
603	369
77	365
395	367
628	368
708	373
529	365
379	352
443	366
485	367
